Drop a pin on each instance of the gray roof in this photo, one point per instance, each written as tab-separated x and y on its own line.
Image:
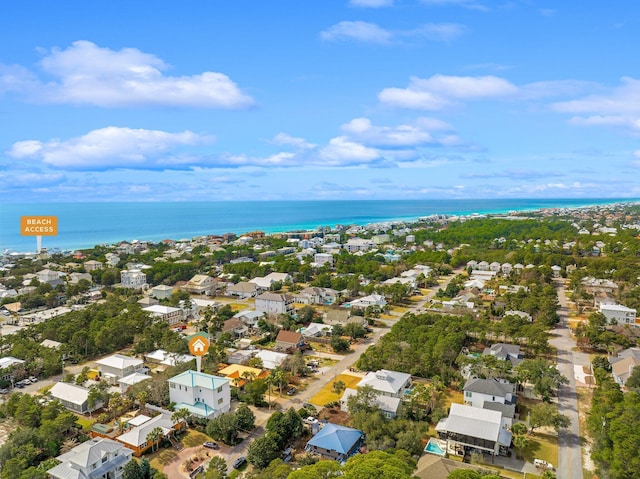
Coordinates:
76	464
491	387
472	421
507	410
385	381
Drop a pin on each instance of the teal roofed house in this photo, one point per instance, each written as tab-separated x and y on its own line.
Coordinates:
336	442
203	395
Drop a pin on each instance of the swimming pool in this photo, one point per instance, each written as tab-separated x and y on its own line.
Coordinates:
433	447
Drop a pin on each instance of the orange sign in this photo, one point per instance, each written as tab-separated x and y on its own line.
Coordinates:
38	225
198	345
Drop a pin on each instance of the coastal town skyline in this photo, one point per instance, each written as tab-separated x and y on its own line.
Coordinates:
351	99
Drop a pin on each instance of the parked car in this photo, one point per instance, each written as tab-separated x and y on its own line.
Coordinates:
19	385
211	445
4	391
238	463
33	379
310	420
26	382
291	391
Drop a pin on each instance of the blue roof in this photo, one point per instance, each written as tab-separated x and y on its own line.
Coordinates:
337	438
203	380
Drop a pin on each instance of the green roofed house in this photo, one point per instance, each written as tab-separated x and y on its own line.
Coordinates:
336	442
203	395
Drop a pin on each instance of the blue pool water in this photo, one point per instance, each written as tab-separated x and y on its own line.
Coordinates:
434	448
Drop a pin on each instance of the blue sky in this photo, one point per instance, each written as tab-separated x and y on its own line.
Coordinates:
291	99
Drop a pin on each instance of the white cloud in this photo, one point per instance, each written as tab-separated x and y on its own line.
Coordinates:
471	4
111	147
356	30
440	32
361	130
287	140
371	3
620	100
441	91
86	74
342	152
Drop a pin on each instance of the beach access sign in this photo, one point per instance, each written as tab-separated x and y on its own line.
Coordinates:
38	225
198	345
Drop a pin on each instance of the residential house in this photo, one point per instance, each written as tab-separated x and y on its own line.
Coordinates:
375	300
49	276
201	284
236	327
265	283
117	366
133	279
274	303
335	442
321	259
112	259
73	397
317	330
131	380
289	341
162	291
270	359
387	383
470	429
493	394
243	290
250	317
622	365
92	265
389	406
75	278
135	438
358	244
96	458
147	301
204	395
160	356
11	368
168	314
238	374
341	316
619	314
316	295
505	352
593	285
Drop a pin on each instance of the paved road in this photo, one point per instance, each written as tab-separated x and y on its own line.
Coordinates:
569	443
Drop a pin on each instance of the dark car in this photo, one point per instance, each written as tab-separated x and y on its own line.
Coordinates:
211	445
238	463
291	391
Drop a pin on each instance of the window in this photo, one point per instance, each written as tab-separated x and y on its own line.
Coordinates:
220	401
220	389
104	459
467	394
172	385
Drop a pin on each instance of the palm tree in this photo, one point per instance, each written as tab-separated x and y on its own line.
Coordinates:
154	437
181	415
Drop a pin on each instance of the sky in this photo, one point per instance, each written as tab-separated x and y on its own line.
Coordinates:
317	100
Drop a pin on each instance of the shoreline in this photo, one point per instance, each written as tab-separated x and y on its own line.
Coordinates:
448	207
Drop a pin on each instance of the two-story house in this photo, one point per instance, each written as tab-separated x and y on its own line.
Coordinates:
168	314
203	395
97	458
289	341
387	383
200	284
118	366
133	279
273	303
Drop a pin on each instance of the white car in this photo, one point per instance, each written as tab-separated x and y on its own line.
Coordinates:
540	464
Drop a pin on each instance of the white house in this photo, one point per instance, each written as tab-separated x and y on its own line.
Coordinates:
371	300
358	244
162	291
619	314
321	259
74	398
243	290
200	284
203	395
387	383
117	366
479	391
388	405
168	314
271	359
97	458
273	303
469	429
133	279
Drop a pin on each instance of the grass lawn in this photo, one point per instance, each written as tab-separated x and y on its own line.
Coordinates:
541	446
327	395
453	396
162	457
399	309
86	423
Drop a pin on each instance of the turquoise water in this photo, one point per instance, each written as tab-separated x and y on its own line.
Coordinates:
84	225
434	448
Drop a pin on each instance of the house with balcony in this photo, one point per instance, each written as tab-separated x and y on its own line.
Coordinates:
97	458
203	395
133	279
470	429
274	303
201	284
92	265
117	366
387	383
243	290
290	341
167	314
619	314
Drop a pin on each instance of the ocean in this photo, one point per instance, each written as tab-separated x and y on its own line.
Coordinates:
84	225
